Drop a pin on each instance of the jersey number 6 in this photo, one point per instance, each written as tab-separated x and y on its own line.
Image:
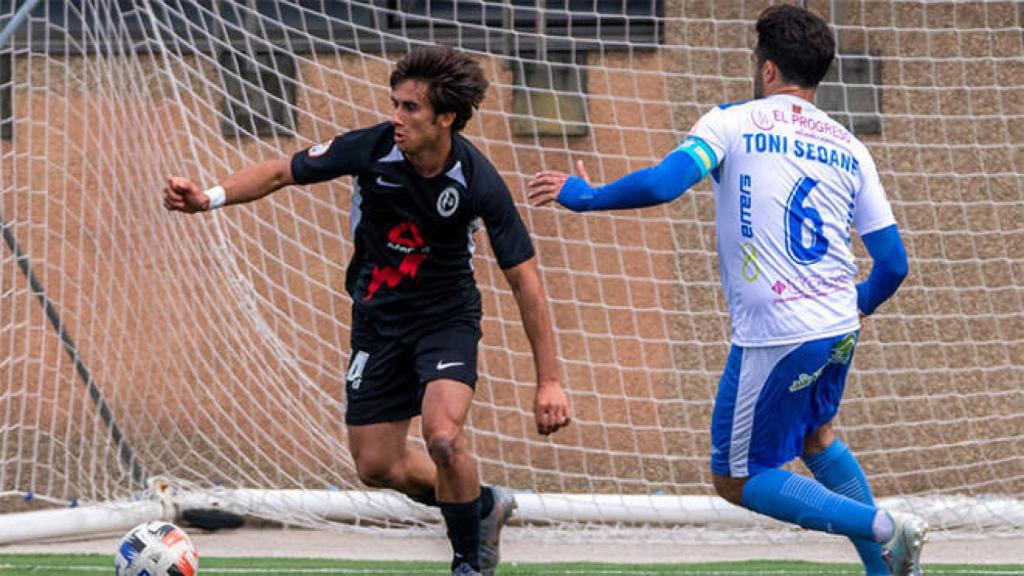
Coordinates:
797	217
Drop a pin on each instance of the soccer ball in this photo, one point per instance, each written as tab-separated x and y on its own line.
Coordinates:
156	549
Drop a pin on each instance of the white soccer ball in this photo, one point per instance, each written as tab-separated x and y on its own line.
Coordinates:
156	549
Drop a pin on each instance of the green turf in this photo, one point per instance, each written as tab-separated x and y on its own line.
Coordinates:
76	564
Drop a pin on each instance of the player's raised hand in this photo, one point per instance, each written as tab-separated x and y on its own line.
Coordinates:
184	195
551	408
545	186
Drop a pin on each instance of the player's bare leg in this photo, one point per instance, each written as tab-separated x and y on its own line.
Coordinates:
729	488
446	404
445	407
819	440
383	459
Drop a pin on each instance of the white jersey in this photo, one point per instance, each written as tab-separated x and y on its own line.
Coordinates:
788	184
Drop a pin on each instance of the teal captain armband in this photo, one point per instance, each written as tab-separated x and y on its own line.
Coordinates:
702	154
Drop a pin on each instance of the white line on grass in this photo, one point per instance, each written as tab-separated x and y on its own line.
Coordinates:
94	568
712	572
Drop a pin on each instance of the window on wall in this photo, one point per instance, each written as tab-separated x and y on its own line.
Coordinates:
330	25
259	94
850	93
607	21
258	78
548	98
255	44
546	48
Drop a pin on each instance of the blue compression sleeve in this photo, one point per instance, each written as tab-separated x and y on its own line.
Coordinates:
792	498
888	270
680	170
838	470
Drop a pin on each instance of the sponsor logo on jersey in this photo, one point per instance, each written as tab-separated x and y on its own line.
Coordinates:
319	149
404	238
448	202
746	206
809	126
762	119
812	286
751	270
382	182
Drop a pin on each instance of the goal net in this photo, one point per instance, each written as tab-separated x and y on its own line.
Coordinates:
211	350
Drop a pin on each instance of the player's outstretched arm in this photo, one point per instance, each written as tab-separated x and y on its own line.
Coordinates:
546	185
675	174
550	406
250	183
888	269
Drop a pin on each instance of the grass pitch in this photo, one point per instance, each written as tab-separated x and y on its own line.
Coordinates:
93	564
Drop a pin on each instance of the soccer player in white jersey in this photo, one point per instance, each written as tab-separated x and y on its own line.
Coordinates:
788	184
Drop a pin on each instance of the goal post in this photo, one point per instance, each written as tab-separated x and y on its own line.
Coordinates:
219	342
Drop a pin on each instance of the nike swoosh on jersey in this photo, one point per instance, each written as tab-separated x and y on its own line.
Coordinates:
444	365
383	182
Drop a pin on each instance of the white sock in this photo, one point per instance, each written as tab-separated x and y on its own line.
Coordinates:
883	527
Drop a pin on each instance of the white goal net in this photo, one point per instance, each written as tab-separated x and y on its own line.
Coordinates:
211	349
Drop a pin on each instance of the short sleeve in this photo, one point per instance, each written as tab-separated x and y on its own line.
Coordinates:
871	208
712	130
349	153
505	229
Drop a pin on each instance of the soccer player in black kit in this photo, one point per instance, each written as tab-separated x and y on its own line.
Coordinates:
419	190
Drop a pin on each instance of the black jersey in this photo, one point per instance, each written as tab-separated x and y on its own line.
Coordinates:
413	236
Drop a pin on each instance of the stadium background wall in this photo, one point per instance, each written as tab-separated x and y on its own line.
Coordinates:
936	381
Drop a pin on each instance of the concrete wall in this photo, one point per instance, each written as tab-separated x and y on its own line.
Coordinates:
220	341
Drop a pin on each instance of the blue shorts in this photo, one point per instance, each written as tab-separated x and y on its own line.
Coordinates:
771	398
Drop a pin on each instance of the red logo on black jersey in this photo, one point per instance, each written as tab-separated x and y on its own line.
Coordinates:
406	234
404	238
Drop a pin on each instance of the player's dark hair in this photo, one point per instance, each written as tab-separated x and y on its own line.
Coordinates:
455	81
797	41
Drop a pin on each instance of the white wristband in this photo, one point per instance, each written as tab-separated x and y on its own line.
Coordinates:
217	197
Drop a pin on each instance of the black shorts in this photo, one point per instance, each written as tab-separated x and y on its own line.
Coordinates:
389	369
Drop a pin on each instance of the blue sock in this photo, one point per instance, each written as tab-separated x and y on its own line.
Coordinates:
837	469
798	500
